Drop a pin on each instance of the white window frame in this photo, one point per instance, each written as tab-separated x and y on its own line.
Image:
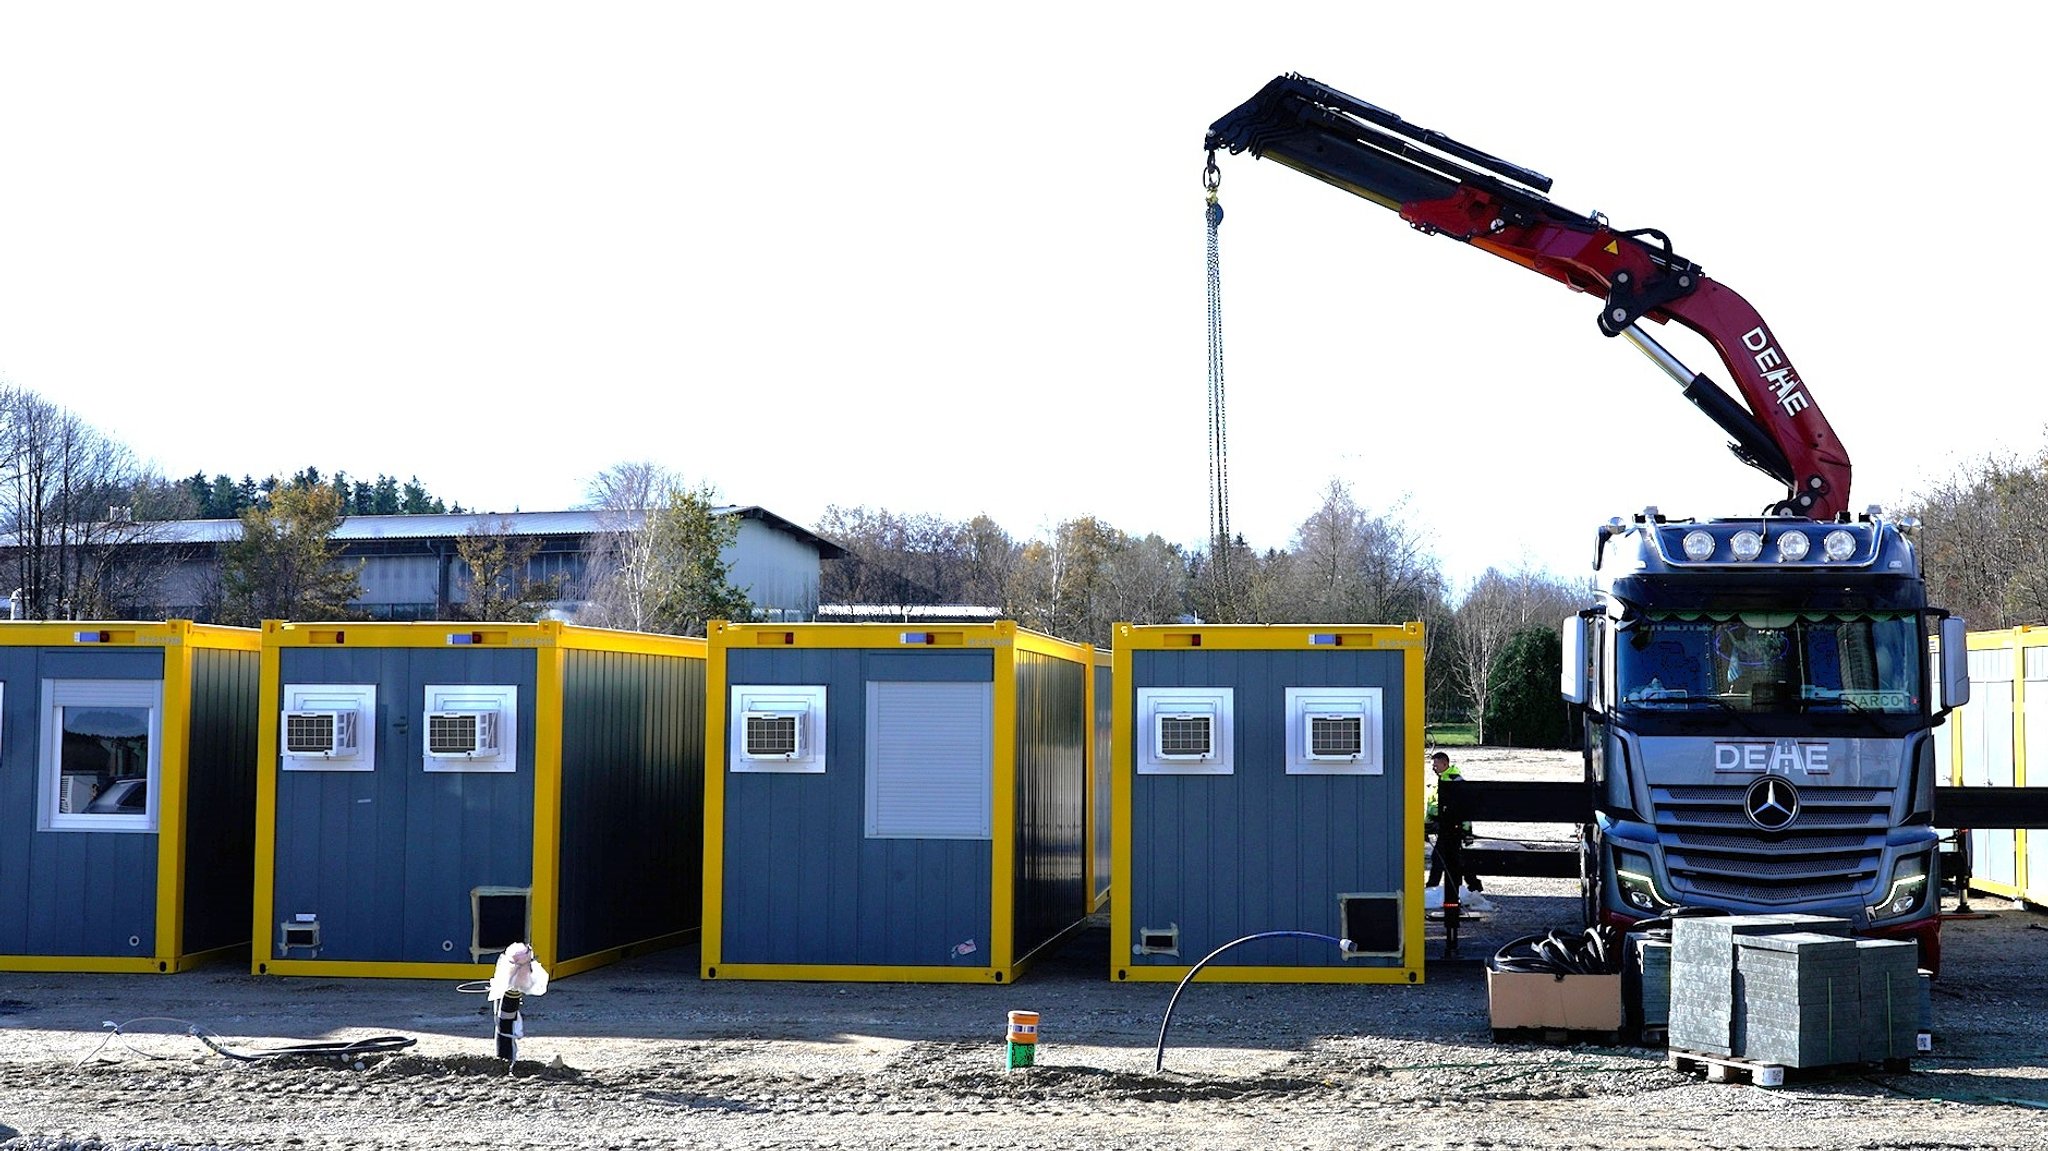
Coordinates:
58	694
361	698
500	698
1303	702
1155	702
965	712
807	701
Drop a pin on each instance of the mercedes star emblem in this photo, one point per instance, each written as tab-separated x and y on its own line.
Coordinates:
1771	803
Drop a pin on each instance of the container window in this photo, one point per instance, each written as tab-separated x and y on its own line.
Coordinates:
1184	731
931	761
328	727
778	727
1333	731
470	727
101	754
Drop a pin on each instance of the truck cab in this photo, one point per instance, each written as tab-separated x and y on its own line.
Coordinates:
1759	705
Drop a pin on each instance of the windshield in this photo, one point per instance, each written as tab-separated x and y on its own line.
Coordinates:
1770	661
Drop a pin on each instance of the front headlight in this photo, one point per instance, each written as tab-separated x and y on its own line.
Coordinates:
1907	888
1638	885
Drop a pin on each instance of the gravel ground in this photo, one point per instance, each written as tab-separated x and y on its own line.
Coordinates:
642	1054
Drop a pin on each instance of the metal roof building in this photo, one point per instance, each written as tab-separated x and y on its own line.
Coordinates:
412	571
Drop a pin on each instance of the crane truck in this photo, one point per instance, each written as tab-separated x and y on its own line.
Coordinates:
1756	692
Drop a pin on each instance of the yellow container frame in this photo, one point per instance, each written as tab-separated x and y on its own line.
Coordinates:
2017	640
1100	888
1405	638
180	640
1005	639
551	641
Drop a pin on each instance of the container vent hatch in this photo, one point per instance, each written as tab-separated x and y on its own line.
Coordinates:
1371	923
498	918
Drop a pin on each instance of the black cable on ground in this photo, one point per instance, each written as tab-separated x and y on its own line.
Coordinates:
342	1050
345	1051
1159	1055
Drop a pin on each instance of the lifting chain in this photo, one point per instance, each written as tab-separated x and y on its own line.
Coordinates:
1219	443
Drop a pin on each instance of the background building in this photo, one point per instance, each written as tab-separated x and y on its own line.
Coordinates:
411	570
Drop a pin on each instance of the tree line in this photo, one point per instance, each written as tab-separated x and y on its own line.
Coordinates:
70	497
225	498
1346	563
81	516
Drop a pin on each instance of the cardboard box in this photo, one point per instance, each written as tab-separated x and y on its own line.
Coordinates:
1517	999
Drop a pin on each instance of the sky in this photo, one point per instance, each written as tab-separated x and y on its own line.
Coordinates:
950	259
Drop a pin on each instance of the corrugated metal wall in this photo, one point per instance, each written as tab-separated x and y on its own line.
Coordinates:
632	837
84	893
803	884
220	809
1224	856
1053	731
386	858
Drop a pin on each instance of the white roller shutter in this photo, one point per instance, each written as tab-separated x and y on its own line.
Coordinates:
931	761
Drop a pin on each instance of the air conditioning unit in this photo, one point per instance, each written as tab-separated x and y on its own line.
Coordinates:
773	735
327	734
1184	736
462	734
1334	737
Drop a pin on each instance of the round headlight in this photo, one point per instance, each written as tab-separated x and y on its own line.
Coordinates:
1698	545
1839	545
1746	544
1793	545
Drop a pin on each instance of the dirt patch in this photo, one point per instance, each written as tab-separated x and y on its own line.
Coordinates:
643	1054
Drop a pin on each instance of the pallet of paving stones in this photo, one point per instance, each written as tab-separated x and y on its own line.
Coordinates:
1728	1069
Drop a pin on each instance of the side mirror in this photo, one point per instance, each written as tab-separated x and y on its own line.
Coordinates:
1955	662
1571	680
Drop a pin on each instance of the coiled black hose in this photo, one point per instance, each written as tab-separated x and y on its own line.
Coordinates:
1594	951
1589	952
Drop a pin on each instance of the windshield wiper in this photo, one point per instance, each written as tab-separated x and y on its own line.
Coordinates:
1677	697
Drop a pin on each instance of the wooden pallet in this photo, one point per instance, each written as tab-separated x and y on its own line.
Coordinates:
1556	1036
1726	1069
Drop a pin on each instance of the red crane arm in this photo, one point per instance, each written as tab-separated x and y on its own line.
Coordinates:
1441	186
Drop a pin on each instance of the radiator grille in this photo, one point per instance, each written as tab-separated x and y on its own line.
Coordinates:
1831	851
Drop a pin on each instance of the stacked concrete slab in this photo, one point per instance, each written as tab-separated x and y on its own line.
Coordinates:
1796	1000
1646	981
1792	991
1896	1005
1703	1005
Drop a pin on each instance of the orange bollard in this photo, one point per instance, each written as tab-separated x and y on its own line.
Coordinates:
1023	1038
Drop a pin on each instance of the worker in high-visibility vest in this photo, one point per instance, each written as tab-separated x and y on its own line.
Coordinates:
1441	768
